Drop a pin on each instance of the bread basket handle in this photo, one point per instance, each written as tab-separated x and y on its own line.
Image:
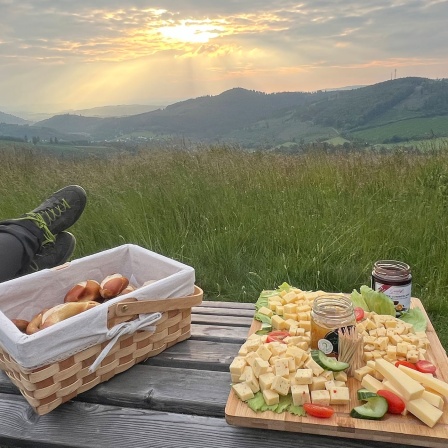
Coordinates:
131	307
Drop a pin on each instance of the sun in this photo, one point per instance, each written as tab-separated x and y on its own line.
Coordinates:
191	32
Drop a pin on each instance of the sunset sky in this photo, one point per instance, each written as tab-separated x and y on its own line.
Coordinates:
65	54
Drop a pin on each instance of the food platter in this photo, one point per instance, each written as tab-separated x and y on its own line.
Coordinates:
402	429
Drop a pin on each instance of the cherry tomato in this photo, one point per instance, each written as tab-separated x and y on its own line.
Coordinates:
318	410
425	366
395	404
405	363
277	336
359	313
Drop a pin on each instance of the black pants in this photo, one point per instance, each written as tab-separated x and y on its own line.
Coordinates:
19	242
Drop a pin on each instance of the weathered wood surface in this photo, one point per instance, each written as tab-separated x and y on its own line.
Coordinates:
174	399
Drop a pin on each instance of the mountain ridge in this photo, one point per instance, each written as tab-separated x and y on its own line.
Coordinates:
256	118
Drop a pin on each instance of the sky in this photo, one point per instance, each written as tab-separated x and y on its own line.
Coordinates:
65	54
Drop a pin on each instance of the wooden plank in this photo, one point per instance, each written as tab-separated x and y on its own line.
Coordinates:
218	333
231	321
228	305
218	312
392	428
85	425
198	392
201	355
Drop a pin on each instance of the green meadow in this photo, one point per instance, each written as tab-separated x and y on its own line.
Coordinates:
250	221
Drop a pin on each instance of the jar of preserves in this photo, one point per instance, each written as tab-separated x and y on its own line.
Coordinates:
394	279
329	314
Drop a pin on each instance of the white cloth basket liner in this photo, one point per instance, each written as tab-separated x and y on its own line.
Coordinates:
24	297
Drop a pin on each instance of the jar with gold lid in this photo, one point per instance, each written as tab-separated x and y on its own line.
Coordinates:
394	279
329	314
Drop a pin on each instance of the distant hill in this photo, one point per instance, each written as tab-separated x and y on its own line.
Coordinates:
11	119
114	111
392	111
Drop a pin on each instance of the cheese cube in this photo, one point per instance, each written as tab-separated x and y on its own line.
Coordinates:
318	383
290	308
279	312
271	397
243	391
369	325
263	352
290	297
391	351
381	343
251	357
328	374
297	353
250	379
274	304
252	344
339	395
412	356
372	384
390	323
266	311
237	365
265	380
300	394
235	378
281	367
280	385
329	384
316	368
361	372
306	324
320	397
304	376
242	351
260	366
340	376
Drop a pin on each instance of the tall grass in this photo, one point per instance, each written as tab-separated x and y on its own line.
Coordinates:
250	221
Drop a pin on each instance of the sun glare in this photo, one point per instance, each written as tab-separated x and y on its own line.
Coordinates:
191	32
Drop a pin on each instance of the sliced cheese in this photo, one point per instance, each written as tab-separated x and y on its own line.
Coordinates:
427	380
408	387
371	384
424	411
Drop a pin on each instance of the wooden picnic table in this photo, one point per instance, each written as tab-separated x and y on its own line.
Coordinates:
175	399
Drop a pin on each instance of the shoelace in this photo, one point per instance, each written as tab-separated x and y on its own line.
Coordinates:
51	214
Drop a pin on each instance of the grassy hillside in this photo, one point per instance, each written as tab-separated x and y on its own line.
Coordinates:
247	222
413	128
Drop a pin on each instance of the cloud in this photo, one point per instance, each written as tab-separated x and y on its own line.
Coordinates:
250	42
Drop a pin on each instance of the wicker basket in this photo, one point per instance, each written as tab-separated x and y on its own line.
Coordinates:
47	387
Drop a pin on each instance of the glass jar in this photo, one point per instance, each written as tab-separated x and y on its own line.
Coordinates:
394	279
329	314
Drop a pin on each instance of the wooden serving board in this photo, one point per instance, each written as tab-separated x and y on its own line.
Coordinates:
391	428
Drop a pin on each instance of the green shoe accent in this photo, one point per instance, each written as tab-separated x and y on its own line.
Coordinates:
52	254
57	213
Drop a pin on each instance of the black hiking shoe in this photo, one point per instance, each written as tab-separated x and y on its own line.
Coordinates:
52	254
59	212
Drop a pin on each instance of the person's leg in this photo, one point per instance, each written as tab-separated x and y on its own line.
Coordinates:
12	262
38	228
52	254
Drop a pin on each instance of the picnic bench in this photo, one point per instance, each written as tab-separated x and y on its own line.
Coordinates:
175	399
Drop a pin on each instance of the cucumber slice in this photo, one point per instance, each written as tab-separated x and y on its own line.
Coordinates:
364	394
374	409
328	363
